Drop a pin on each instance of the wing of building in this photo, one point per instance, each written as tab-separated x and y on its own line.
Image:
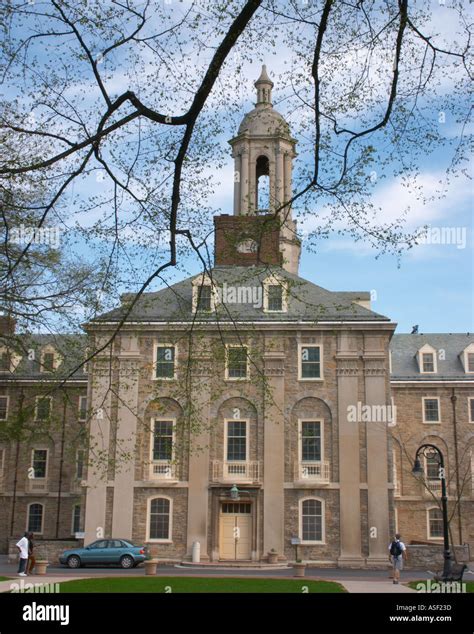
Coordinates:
244	408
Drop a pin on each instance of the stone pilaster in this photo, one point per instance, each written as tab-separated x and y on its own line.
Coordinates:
377	468
273	454
349	453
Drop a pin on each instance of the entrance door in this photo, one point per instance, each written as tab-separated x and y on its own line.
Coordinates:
235	531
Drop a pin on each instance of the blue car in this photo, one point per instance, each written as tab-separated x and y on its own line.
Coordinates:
105	552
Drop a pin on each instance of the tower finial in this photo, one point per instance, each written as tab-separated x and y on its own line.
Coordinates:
264	87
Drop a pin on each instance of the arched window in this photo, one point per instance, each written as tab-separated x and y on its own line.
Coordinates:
312	520
435	523
263	184
35	518
159	521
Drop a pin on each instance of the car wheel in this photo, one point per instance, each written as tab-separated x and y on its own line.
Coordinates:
127	561
74	561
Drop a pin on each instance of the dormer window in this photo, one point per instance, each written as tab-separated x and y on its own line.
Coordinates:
274	295
48	362
427	360
204	299
467	359
204	295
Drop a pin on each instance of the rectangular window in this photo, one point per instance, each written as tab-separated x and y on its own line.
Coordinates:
82	408
428	362
48	362
471	410
5	362
431	410
163	440
470	361
432	468
76	519
3	407
236	440
80	455
310	367
43	408
204	298
40	462
237	362
275	297
2	458
165	362
435	521
310	441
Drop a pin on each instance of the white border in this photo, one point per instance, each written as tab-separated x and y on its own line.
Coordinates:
159	344
247	443
428	531
321	357
323	520
431	398
169	540
28	506
226	372
300	438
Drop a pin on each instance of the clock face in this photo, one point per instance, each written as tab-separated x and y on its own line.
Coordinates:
247	246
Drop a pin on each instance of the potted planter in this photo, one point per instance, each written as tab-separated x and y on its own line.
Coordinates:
40	566
150	564
299	568
272	556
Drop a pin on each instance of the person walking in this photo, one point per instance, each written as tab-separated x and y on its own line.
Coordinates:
31	556
398	553
22	546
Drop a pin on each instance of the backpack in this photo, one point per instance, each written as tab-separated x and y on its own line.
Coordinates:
395	549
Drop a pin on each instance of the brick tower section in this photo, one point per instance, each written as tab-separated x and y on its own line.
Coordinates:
247	240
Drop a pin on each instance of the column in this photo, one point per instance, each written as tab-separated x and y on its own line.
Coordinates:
377	458
97	476
349	454
122	516
244	181
274	455
279	178
198	487
237	180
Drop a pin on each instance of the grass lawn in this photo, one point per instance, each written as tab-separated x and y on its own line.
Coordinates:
198	584
4	578
469	586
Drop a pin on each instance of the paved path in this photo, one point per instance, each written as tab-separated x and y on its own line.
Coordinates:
375	587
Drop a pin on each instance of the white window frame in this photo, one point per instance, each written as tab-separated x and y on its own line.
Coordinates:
170	524
42	517
469	399
204	280
423	371
428	528
275	281
226	435
428	479
81	398
73	532
427	349
159	344
300	437
77	477
323	520
47	463
165	419
42	398
8	406
300	361
247	373
431	398
468	350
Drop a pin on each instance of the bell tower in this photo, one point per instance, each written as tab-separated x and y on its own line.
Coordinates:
263	153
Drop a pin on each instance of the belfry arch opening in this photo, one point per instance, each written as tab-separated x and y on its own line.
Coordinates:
262	202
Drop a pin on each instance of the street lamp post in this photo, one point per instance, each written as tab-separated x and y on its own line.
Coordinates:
430	451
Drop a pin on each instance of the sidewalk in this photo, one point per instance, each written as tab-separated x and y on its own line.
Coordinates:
375	587
6	586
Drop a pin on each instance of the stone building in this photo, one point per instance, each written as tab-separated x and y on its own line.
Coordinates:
244	408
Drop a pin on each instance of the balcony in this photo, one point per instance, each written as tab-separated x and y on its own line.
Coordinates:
431	487
163	470
236	471
36	485
312	472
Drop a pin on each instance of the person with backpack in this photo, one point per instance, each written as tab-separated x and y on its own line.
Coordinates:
398	553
